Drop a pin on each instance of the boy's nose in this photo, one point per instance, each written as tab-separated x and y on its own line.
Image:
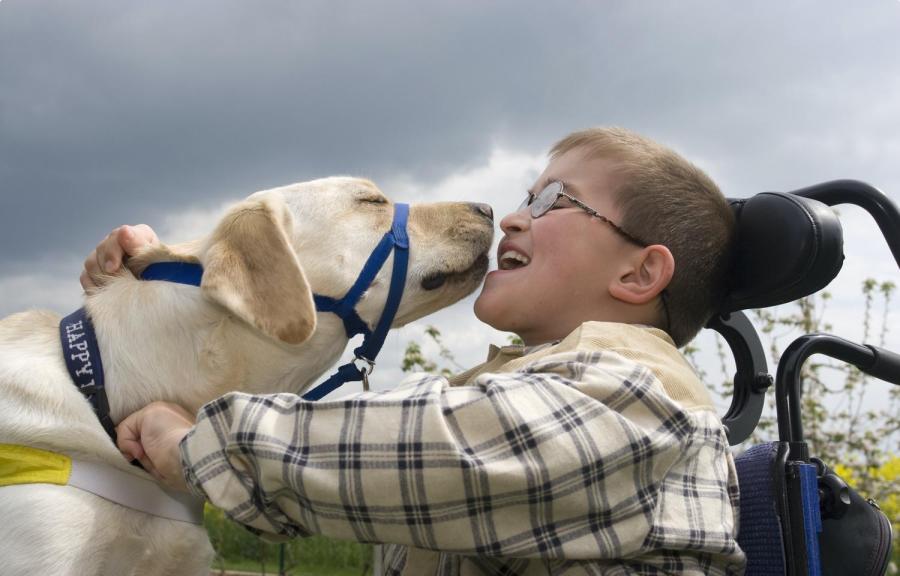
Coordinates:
483	209
515	221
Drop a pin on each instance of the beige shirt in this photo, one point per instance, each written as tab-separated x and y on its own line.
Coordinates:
601	454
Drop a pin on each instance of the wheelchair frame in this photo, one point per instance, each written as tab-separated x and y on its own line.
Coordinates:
822	249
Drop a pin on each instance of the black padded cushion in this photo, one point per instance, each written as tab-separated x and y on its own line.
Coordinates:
786	247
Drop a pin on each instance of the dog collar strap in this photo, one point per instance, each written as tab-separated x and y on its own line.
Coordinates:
82	355
396	240
179	272
26	465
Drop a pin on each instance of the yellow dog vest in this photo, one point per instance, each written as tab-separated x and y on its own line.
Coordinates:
26	465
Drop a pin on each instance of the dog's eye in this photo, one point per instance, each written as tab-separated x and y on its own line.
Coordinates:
372	200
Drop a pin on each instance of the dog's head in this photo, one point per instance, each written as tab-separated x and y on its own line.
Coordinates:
272	252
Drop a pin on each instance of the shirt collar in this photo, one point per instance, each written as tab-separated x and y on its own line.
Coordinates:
517	350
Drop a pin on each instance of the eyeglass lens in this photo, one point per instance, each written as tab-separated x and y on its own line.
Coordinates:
544	200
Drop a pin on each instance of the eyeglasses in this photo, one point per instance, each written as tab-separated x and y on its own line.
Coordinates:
549	196
547	200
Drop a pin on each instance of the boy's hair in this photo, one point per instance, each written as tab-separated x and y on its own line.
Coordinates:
666	200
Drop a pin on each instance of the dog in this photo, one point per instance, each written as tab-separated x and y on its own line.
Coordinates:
251	326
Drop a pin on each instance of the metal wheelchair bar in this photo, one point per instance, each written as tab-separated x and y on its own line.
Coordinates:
872	360
867	197
751	377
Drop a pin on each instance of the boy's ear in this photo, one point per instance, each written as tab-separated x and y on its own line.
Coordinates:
251	269
644	276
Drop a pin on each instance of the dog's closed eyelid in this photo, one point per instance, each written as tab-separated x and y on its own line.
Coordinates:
372	200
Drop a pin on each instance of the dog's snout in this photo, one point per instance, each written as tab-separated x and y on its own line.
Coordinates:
483	209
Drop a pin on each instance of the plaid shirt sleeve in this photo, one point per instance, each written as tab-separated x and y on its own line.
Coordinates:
578	455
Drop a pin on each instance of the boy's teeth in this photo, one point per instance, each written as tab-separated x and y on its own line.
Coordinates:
511	259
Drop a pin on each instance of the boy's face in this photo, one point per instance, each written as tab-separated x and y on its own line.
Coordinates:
572	258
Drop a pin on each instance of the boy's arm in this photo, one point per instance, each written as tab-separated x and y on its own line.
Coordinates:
562	459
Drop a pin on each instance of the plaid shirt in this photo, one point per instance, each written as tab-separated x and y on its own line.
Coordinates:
601	454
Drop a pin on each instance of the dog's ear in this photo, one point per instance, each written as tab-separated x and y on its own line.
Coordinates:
251	269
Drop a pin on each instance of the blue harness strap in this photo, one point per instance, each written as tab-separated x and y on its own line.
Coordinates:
345	307
396	240
178	272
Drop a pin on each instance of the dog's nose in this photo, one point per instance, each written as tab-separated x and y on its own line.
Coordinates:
483	209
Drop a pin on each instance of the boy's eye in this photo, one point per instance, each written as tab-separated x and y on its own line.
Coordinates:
562	202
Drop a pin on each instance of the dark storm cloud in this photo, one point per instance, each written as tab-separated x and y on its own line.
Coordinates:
111	110
116	112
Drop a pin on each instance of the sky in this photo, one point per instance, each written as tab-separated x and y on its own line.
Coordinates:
166	112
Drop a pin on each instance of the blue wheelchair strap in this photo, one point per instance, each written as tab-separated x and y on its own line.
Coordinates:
396	240
812	520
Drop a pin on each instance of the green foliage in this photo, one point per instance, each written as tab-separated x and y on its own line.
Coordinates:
414	359
237	547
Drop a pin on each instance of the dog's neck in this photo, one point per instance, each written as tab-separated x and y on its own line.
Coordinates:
164	341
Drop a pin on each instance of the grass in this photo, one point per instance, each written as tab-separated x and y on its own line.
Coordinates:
238	549
271	568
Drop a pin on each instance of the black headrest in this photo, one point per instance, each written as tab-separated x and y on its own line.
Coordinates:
786	247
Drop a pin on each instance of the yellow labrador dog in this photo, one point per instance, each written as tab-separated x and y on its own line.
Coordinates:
251	326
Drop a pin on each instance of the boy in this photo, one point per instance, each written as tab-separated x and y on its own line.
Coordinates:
593	449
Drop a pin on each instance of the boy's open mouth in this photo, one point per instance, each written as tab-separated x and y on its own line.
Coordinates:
511	260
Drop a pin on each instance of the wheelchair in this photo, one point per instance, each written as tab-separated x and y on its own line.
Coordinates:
797	516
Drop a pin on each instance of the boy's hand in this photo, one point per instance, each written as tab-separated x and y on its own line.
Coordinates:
109	254
151	435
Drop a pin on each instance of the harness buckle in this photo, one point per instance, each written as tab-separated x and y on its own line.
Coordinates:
367	368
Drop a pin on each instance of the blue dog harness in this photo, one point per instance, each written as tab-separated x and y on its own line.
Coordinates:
82	353
397	240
